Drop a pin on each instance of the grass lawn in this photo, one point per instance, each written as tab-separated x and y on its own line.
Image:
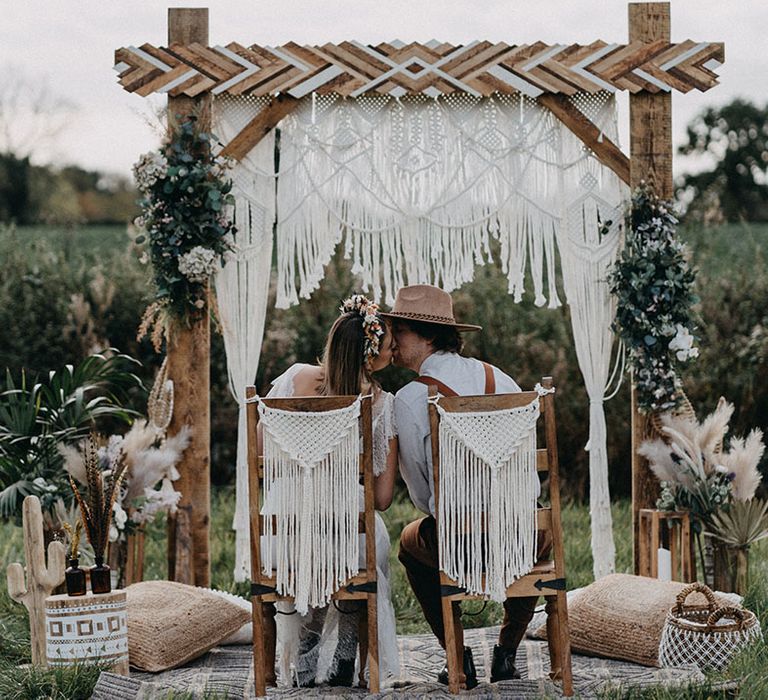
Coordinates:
17	683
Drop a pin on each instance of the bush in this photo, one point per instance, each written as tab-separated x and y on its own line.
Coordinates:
64	291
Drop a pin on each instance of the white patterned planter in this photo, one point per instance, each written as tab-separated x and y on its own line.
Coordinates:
87	628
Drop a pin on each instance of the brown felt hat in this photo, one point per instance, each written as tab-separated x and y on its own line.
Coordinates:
428	304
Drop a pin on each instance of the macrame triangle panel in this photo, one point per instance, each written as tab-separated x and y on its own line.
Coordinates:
308	437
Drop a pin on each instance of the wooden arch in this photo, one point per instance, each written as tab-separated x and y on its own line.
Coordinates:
649	66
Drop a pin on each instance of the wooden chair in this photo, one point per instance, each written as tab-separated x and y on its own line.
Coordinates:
547	578
263	587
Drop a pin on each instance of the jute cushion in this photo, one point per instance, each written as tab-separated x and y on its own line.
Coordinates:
170	623
621	617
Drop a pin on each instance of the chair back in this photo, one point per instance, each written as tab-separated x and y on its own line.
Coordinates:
305	495
486	472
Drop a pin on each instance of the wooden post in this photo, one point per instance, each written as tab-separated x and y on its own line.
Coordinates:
189	366
650	133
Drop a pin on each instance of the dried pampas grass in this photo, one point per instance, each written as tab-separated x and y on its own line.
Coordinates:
148	464
693	450
741	460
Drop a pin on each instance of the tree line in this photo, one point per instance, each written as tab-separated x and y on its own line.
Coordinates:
41	194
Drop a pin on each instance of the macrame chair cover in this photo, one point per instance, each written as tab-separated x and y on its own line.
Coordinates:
416	189
311	477
487	497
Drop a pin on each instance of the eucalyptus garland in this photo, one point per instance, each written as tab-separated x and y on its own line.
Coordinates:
654	287
184	196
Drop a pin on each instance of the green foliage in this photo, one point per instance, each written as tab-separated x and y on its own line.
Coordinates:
735	137
732	283
653	285
66	293
58	409
58	683
184	195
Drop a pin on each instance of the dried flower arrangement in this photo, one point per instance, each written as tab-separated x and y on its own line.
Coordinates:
149	460
716	484
695	472
96	507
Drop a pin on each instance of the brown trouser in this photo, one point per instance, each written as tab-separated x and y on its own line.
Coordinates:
419	555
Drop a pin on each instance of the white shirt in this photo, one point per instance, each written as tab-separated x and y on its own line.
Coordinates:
466	376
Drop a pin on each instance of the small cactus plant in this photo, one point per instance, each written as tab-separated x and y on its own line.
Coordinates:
40	579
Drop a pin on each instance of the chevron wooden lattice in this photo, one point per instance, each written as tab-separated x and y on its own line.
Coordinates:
479	68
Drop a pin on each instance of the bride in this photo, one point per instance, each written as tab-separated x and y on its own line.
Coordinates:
321	646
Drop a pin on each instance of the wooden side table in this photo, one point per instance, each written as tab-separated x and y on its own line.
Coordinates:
87	628
670	530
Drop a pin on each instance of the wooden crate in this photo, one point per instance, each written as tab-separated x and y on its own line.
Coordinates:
670	530
90	627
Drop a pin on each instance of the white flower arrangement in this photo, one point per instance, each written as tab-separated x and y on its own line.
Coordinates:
695	471
198	264
682	344
185	205
149	461
150	168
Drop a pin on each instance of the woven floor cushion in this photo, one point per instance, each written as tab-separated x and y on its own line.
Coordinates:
171	623
622	617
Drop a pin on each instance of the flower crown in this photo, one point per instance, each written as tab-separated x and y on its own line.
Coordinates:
372	328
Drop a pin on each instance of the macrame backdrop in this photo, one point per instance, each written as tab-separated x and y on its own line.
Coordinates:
589	237
488	471
242	291
415	189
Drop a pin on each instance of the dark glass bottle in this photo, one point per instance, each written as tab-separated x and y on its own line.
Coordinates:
101	581
75	578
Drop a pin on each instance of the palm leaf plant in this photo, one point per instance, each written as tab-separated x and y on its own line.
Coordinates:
739	527
37	417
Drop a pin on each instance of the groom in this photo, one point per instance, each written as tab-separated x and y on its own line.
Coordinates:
428	341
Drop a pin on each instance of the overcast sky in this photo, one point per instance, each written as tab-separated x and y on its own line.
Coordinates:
68	46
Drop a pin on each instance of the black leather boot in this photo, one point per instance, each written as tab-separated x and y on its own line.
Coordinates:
470	672
345	673
503	665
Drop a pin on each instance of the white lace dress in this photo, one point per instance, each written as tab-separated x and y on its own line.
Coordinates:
338	633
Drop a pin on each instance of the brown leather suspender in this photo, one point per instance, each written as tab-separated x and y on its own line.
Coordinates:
490	382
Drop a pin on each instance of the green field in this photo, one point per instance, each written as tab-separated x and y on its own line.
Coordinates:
19	683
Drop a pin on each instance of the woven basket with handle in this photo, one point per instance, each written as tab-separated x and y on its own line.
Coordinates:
705	635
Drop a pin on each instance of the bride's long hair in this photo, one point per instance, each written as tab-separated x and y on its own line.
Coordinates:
343	364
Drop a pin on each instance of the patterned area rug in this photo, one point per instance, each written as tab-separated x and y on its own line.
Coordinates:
227	672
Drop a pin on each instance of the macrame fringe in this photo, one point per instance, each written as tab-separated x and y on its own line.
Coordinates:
315	546
487	512
419	188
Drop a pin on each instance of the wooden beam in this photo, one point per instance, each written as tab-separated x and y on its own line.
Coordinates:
650	134
607	152
278	108
189	368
